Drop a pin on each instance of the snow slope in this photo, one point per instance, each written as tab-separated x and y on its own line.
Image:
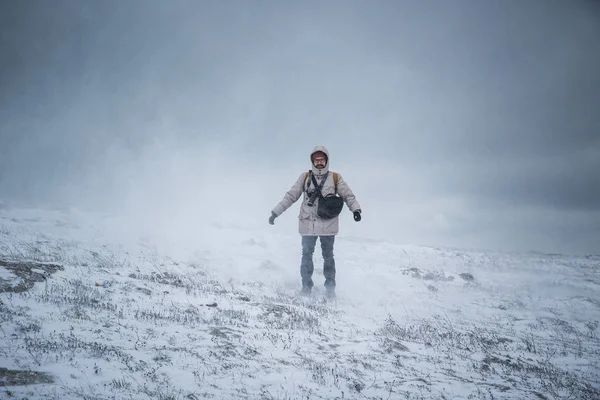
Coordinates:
115	313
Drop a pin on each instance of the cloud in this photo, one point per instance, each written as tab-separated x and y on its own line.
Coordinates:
447	119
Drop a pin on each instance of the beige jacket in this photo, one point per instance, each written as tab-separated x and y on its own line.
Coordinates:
310	224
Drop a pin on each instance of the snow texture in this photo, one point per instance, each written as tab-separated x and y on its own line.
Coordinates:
218	315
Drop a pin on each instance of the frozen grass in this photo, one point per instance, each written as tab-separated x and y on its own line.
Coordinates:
105	321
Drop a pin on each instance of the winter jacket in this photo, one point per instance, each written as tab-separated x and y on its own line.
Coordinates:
310	224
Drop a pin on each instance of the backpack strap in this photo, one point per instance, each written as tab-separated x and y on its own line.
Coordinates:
336	178
319	187
305	179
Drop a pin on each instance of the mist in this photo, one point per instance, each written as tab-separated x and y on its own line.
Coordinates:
468	124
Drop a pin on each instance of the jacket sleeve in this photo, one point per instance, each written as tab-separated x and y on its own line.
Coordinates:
291	196
346	193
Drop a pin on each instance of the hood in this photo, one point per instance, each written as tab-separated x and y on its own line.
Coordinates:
315	171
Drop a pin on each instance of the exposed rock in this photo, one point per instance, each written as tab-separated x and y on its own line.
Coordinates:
28	273
9	377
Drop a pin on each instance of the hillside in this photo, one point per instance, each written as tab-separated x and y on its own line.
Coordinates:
91	310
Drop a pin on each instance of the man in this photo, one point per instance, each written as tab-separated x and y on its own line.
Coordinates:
311	225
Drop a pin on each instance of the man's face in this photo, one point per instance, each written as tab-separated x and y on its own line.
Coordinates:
319	161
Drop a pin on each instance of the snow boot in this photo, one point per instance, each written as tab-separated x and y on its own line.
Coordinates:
305	290
330	292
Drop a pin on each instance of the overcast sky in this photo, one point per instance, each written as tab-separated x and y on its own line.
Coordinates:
456	123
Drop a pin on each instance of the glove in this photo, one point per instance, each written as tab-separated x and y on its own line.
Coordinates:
272	218
357	216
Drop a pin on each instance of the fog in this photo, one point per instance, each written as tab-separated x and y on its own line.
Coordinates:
470	124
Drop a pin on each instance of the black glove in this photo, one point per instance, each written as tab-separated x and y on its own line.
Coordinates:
357	216
272	218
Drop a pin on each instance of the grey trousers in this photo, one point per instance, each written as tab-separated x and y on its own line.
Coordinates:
307	266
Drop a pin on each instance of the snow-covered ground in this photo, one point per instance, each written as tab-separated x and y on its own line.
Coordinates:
92	309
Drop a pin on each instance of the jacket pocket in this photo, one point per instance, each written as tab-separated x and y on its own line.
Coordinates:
303	215
305	226
331	226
